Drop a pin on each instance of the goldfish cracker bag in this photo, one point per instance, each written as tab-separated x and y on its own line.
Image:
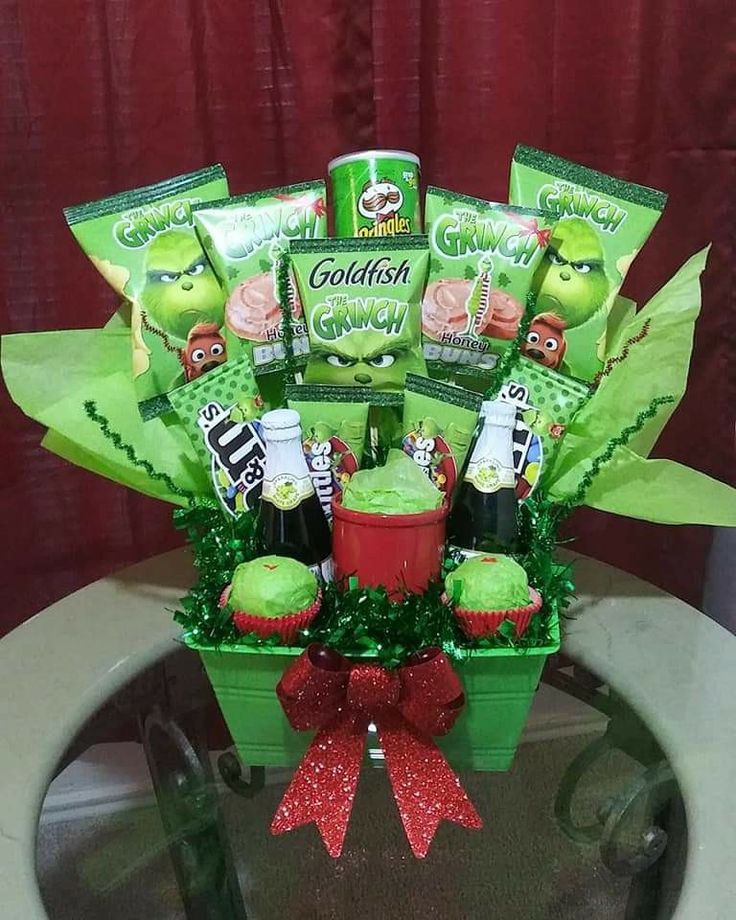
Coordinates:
362	303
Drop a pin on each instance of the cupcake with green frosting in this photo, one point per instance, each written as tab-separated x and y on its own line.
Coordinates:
487	589
273	595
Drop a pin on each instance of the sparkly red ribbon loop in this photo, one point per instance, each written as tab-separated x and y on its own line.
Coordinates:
324	691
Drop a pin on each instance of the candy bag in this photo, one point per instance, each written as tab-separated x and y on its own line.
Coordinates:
143	243
243	238
483	259
361	300
334	425
546	403
220	412
438	427
602	224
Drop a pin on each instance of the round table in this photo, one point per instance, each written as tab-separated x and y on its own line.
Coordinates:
673	666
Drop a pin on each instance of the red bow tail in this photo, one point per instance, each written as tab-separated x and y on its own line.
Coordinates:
323	690
323	788
426	788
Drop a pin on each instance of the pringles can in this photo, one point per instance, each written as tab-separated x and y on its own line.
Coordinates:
376	193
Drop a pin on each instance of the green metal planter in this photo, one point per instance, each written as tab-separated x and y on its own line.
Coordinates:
499	688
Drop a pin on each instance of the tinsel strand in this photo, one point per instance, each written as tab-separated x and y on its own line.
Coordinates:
285	295
219	544
620	440
154	330
90	407
622	356
510	357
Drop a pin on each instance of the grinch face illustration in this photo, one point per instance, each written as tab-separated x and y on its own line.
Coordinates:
379	200
571	281
180	289
364	360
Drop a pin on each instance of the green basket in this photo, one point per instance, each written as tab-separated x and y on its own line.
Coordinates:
499	688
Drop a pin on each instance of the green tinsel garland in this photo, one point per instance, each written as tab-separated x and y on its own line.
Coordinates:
90	408
355	621
219	544
621	440
510	358
284	290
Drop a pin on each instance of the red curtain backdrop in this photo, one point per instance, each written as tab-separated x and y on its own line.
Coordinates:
104	95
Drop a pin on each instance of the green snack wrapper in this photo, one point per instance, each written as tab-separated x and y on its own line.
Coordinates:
244	238
334	424
375	193
399	487
488	582
272	586
361	300
438	427
546	403
143	243
219	413
483	259
602	224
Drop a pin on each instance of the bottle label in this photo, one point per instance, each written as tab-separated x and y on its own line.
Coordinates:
323	571
488	475
285	491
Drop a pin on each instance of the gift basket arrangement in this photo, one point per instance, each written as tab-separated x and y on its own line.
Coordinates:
371	440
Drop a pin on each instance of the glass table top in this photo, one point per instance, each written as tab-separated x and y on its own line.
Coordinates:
587	823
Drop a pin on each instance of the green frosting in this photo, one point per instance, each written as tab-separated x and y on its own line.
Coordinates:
272	586
399	487
488	582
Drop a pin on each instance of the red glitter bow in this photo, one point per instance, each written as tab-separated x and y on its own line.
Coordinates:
324	691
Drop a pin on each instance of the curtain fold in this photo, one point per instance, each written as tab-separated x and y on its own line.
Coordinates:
103	95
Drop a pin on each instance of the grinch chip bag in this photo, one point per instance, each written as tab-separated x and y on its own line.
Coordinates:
361	300
220	413
244	237
482	260
143	243
438	428
602	223
334	425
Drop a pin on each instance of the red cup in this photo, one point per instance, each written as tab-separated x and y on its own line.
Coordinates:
402	552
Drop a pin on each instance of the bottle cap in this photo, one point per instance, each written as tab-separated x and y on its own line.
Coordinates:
281	424
498	412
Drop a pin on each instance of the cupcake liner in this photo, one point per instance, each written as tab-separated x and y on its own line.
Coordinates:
479	624
285	627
